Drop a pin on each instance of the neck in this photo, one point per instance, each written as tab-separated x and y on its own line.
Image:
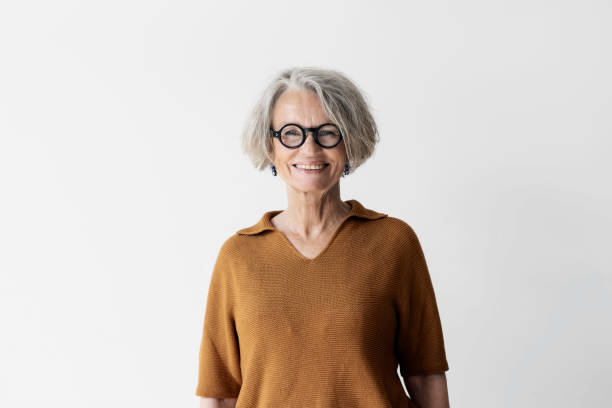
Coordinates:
310	213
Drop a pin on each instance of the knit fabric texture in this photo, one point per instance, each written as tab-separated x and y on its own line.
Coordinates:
282	330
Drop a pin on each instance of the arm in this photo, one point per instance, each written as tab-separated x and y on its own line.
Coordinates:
219	371
420	341
206	402
428	391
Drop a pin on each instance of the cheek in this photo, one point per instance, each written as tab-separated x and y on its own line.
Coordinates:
279	155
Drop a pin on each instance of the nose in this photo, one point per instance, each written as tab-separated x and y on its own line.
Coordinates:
309	143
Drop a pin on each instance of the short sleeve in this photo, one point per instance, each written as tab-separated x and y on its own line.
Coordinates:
419	340
219	374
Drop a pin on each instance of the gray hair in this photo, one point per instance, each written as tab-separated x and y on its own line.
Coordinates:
341	99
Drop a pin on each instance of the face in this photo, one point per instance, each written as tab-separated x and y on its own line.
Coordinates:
303	108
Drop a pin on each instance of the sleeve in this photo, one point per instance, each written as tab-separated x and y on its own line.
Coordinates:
219	374
419	341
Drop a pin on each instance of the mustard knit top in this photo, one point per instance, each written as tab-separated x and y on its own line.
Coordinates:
282	330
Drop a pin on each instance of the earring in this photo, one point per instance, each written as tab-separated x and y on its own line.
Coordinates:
346	170
274	170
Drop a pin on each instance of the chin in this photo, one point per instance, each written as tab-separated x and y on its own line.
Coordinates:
313	185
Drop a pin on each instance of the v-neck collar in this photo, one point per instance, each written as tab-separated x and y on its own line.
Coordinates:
357	210
265	223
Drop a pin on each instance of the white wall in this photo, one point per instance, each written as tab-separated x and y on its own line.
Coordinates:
121	175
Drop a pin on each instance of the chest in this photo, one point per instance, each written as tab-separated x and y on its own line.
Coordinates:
341	296
308	248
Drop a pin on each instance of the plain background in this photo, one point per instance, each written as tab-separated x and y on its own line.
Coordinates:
121	175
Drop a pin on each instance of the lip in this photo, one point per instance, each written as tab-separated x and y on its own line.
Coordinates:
313	162
308	171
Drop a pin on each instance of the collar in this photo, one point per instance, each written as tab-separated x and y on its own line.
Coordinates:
357	210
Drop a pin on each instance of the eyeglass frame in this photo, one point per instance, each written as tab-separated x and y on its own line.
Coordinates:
305	135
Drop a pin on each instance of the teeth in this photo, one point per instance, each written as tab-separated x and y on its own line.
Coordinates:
310	167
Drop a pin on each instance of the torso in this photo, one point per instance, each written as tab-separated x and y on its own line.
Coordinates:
327	324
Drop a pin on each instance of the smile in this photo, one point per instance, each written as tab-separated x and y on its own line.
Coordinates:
311	169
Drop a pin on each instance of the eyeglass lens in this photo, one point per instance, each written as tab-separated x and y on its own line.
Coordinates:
292	135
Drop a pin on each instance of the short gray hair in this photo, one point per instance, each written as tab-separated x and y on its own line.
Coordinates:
342	101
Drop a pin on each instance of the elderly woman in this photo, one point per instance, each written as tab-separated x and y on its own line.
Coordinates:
319	304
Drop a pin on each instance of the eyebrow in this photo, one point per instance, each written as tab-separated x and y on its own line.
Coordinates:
299	124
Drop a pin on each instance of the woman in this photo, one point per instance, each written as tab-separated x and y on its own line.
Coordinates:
318	304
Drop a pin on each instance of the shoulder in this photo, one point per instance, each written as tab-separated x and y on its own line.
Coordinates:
397	229
238	249
232	245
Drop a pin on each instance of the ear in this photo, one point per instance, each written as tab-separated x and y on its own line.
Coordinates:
272	153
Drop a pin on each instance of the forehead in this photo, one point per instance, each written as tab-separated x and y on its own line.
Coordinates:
298	106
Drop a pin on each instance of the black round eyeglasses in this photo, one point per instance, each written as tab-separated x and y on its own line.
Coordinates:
293	136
